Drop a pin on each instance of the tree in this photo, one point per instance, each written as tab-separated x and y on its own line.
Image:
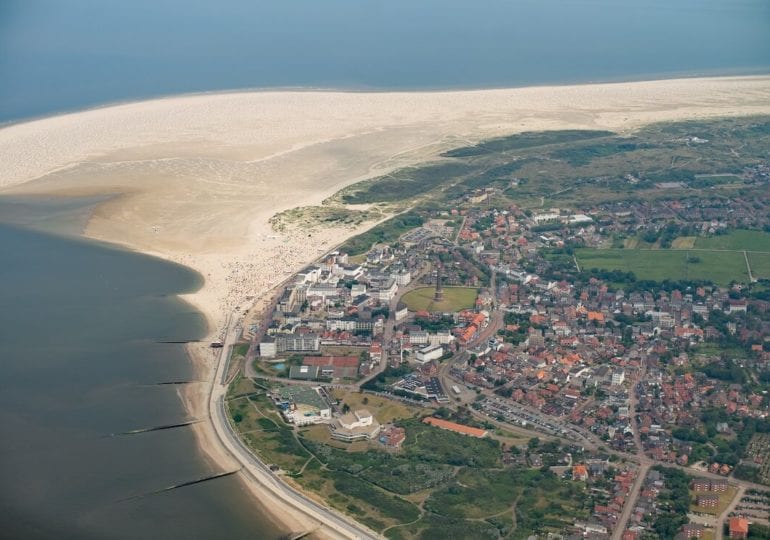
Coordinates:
533	443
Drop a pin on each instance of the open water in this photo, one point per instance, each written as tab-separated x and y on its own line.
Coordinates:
80	359
57	55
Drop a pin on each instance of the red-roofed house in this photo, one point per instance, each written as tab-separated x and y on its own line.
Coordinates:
580	472
739	527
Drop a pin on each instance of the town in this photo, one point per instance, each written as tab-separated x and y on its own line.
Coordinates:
491	363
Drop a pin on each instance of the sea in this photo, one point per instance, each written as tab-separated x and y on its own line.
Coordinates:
59	56
84	328
83	323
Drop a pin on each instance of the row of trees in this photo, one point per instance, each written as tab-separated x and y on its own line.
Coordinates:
673	503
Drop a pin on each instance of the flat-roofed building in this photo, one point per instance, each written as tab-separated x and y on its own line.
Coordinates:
297	342
431	352
267	347
385	291
358	425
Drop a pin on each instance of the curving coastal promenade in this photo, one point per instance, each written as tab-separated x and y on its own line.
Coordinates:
330	523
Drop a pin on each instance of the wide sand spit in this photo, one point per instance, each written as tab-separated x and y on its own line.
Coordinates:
196	178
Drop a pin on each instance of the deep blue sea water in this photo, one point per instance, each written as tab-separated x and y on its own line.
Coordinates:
61	55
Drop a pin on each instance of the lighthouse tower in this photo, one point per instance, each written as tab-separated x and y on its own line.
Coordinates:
439	294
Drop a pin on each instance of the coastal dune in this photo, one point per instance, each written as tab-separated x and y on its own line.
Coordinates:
195	179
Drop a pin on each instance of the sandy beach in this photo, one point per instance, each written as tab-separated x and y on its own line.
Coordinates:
195	179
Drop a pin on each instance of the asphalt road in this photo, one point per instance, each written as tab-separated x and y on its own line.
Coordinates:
332	522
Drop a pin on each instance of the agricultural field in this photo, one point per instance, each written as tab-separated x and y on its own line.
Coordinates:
760	265
636	242
717	258
455	299
738	240
683	242
659	265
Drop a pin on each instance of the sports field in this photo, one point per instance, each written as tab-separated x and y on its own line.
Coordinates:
455	299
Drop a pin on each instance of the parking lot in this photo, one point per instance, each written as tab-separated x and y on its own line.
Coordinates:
516	414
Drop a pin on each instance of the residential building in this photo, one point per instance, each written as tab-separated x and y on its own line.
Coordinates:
739	527
580	473
692	530
707	501
297	342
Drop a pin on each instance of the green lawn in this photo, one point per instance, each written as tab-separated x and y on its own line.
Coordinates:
760	265
719	267
737	240
455	299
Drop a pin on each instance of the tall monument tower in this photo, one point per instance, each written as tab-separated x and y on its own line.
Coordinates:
439	294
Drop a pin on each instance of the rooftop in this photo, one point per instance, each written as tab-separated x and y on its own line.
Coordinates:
457	428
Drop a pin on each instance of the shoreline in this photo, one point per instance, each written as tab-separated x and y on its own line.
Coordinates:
283	503
196	400
230	161
715	73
